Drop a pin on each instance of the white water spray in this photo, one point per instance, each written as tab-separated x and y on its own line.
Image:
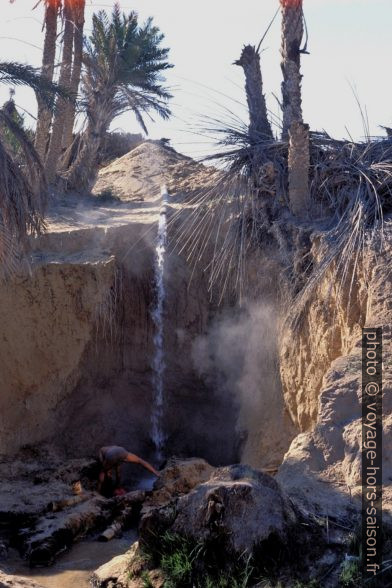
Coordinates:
158	363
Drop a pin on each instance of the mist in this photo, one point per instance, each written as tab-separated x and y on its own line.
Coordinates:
238	356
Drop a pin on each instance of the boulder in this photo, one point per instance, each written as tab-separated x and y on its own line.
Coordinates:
110	573
129	570
242	505
7	581
238	508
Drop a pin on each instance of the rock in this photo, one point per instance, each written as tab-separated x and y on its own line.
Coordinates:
53	533
130	570
237	509
180	476
118	571
241	504
321	375
33	483
7	581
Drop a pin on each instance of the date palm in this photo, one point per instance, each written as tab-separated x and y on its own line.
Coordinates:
123	66
22	181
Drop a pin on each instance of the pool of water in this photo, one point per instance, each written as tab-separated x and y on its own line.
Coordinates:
74	568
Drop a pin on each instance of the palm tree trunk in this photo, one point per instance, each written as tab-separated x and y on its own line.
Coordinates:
298	165
294	130
44	117
292	33
83	171
79	6
259	126
55	144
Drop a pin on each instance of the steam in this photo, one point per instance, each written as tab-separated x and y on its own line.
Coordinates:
239	356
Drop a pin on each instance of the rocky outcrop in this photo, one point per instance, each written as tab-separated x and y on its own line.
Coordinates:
322	468
45	509
116	571
221	517
8	581
128	571
330	327
52	534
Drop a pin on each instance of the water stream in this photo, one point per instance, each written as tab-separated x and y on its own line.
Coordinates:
74	568
157	313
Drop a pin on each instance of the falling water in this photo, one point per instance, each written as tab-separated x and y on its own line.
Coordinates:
158	364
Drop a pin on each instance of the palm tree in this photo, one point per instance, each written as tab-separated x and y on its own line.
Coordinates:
55	145
294	128
78	21
44	117
123	72
22	181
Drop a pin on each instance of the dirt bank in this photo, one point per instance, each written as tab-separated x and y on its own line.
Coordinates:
321	373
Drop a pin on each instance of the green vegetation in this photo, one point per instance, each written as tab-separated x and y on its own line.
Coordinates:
22	181
350	576
177	560
145	578
10	140
185	564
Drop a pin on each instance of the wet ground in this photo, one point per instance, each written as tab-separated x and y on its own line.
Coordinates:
28	486
74	568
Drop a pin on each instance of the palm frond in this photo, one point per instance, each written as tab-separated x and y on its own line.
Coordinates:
19	74
19	214
32	166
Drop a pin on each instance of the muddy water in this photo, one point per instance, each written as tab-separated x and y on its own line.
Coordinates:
74	568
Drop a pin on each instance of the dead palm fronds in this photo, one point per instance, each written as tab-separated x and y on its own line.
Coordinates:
353	184
247	207
233	214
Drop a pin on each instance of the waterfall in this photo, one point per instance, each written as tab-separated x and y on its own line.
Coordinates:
158	363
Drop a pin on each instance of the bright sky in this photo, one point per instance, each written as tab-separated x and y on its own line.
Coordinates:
350	44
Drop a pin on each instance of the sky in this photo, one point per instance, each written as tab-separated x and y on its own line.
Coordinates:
350	45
